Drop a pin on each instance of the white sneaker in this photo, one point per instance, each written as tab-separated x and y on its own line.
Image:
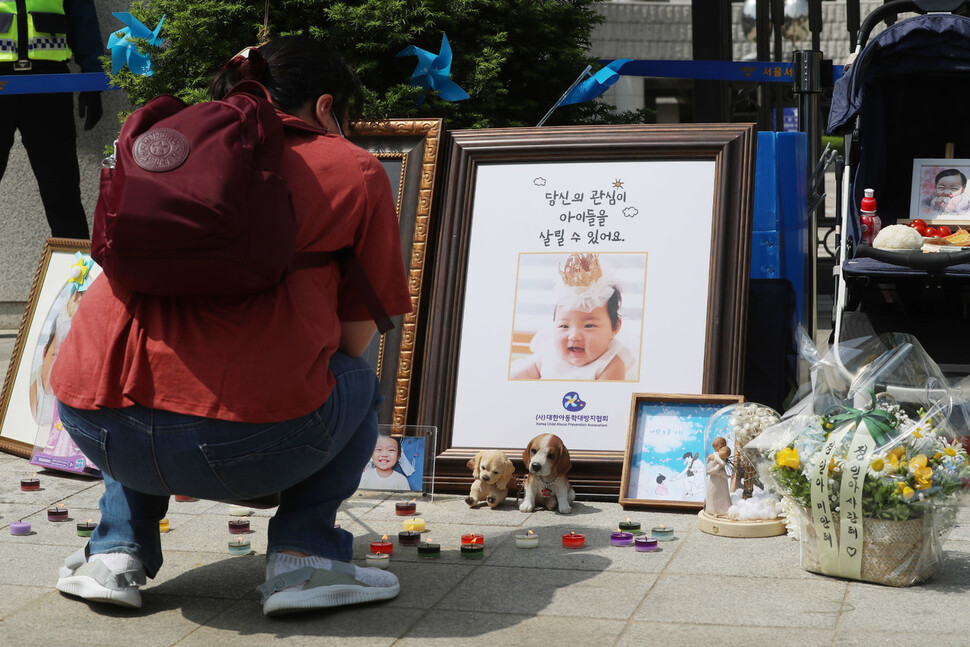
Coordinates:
109	577
336	584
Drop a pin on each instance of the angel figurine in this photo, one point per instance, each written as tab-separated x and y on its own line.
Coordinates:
718	498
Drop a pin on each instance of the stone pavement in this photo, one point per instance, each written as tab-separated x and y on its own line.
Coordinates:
699	590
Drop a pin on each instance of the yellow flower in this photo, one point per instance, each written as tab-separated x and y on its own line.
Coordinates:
788	457
904	491
917	462
924	478
896	455
877	464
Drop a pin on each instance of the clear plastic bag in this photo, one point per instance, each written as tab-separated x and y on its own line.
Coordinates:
873	461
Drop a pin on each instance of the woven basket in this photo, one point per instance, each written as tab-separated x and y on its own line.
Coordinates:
895	553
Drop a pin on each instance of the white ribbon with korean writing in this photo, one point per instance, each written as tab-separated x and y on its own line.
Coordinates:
843	559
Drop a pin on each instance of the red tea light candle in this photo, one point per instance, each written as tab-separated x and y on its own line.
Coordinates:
472	538
238	526
472	551
527	540
57	513
573	540
646	544
621	538
630	526
181	498
409	538
428	550
382	546
31	484
164	525
378	560
85	528
406	508
19	528
415	524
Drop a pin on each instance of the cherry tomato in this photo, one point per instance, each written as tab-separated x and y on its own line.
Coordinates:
930	232
918	222
943	230
920	228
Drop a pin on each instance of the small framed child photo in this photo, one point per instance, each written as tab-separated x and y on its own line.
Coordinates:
939	189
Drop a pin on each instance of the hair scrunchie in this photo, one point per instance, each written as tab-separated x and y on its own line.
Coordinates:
249	64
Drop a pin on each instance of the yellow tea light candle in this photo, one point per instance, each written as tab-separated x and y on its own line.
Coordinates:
527	540
239	510
416	524
163	525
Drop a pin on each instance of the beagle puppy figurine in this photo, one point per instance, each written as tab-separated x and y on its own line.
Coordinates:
547	461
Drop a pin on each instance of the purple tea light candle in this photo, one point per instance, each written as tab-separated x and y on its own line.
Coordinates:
57	513
20	528
621	538
646	544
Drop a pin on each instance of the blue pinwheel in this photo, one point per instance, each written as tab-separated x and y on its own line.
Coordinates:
433	72
123	48
596	84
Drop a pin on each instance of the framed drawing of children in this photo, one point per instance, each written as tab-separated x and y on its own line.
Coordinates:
939	190
576	266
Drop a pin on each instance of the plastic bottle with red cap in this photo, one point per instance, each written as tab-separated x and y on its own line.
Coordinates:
871	223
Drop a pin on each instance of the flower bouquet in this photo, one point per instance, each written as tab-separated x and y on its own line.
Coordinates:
875	471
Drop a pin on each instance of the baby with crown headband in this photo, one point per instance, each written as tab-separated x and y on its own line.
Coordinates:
582	343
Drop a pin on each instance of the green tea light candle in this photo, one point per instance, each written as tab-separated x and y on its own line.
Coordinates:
85	528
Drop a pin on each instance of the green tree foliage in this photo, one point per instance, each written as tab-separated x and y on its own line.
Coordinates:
514	57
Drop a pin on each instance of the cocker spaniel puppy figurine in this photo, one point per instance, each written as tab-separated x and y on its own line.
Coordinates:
547	461
492	471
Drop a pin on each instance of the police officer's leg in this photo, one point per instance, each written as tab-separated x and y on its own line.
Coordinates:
50	137
9	113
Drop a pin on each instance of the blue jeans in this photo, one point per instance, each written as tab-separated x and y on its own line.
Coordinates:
315	462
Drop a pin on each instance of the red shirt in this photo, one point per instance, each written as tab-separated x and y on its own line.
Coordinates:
258	358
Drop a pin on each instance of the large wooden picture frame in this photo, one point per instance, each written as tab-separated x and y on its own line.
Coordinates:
664	460
17	426
408	150
672	203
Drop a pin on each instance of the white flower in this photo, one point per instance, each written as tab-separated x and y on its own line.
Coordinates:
953	452
879	468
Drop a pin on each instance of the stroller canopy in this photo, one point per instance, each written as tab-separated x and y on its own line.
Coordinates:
933	43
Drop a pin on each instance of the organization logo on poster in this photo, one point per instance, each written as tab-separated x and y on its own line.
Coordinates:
572	402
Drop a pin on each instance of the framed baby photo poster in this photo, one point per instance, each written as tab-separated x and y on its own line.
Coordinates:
402	460
576	266
408	151
26	403
664	460
939	190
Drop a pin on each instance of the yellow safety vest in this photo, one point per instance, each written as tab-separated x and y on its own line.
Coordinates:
46	30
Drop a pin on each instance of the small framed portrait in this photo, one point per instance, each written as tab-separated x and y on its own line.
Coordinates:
402	460
939	190
663	464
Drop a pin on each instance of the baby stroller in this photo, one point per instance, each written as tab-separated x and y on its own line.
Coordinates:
905	97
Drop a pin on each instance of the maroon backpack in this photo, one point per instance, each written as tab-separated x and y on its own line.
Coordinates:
195	204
